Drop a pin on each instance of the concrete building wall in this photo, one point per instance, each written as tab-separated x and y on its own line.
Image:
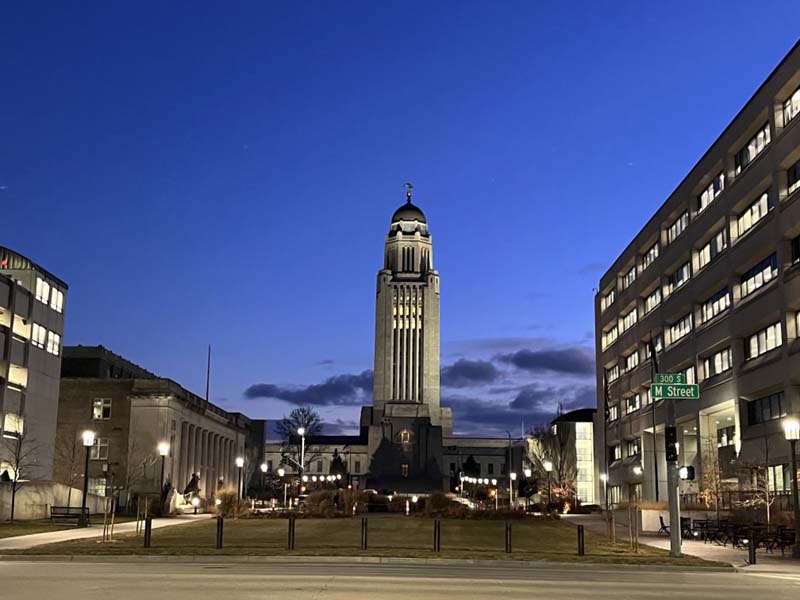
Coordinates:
736	226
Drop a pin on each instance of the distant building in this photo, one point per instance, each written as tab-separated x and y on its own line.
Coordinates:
32	304
406	440
576	428
712	282
131	411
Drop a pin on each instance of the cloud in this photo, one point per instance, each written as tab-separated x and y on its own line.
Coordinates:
574	360
466	373
343	390
325	361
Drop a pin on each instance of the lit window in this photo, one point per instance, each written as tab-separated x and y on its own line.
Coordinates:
616	452
633	447
652	301
12	425
38	336
608	300
53	343
630	362
97	486
613	412
615	494
678	227
678	277
612	374
649	256
629	278
754	213
761	274
717	363
776	478
57	300
752	148
791	108
405	437
713	190
629	320
712	249
793	177
680	329
42	290
100	449
763	341
689	374
101	409
404	470
726	436
610	336
719	302
632	404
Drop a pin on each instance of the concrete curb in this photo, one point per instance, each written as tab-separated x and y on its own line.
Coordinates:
370	560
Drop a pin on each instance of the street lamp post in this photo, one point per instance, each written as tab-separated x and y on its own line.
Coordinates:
301	431
791	429
163	450
494	483
263	478
88	442
239	465
528	474
604	479
512	478
281	473
548	466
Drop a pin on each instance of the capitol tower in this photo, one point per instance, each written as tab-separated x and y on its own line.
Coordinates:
406	422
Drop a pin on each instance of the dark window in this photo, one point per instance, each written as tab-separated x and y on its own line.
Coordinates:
793	175
452	467
765	409
796	249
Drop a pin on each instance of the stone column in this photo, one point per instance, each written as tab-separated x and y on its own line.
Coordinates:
183	457
197	448
190	452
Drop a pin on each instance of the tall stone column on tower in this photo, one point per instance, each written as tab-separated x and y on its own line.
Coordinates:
406	422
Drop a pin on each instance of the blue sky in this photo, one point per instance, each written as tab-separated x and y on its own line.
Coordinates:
225	174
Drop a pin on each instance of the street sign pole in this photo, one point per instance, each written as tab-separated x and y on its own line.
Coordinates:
673	500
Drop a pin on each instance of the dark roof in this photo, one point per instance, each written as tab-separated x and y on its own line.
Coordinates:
581	415
409	212
14	260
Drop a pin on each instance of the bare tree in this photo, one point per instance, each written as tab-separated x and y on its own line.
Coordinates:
544	446
137	465
307	418
20	453
712	483
68	458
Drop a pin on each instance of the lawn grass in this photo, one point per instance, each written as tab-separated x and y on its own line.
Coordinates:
8	529
389	536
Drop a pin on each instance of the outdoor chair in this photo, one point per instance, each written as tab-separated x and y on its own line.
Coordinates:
664	529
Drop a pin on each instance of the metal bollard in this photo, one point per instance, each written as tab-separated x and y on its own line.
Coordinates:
290	545
148	532
508	538
581	545
363	533
220	527
752	544
437	535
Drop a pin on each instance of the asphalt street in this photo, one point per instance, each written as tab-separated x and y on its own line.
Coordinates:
73	580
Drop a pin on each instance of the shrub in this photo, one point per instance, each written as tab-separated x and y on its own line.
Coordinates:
230	506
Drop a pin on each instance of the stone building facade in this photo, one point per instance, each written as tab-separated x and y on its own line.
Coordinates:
131	412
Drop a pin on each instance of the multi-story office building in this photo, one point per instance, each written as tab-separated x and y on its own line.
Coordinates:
132	411
575	432
713	280
32	303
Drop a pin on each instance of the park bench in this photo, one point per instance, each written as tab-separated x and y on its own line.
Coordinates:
68	512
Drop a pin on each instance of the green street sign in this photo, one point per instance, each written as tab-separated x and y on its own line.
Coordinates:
685	391
670	377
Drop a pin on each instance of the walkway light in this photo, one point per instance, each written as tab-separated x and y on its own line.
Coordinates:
791	429
301	431
548	466
88	441
239	462
528	473
281	472
494	481
263	467
513	476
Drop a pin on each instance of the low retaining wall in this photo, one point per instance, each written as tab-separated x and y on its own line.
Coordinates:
35	499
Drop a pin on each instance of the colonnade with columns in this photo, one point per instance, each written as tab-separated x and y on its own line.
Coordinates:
208	453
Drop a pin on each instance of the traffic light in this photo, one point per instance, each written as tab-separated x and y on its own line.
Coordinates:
686	473
671	444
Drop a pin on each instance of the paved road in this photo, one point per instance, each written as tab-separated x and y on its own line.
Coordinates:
332	581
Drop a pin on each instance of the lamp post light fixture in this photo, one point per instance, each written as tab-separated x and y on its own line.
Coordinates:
301	431
604	479
548	467
239	466
512	477
163	451
281	473
263	477
87	437
791	430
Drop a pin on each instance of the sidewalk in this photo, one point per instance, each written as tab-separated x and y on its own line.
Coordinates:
766	563
23	542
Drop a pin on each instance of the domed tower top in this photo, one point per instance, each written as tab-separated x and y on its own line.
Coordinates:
409	218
